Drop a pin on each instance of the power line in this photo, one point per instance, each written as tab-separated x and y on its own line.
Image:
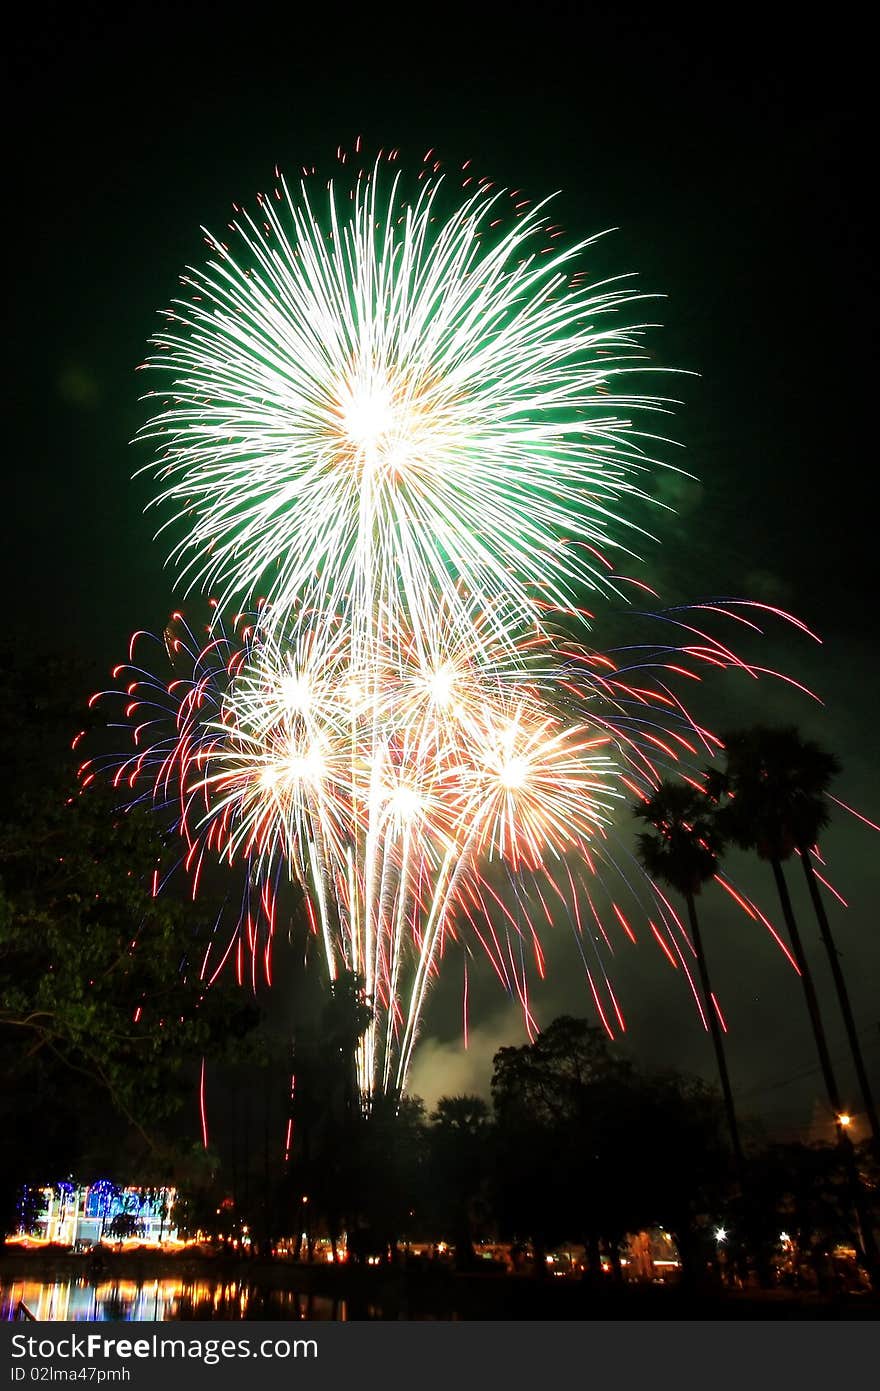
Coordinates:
761	1088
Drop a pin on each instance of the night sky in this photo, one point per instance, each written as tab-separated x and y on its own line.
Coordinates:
734	159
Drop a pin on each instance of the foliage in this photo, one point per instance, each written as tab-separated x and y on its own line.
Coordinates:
684	847
459	1140
589	1148
95	971
803	1191
103	1018
771	792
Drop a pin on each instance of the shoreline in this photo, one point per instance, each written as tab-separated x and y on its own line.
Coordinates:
405	1293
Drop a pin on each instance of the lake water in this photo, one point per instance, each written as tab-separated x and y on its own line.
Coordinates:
159	1300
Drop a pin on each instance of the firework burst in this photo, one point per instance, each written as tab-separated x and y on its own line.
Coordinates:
410	430
396	803
376	406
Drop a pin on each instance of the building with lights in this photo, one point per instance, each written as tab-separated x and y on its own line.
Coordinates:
75	1214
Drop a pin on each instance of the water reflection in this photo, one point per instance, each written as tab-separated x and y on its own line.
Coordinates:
160	1300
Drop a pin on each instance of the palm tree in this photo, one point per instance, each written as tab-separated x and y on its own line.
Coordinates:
773	800
770	798
683	851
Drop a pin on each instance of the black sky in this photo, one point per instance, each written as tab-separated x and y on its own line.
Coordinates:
734	153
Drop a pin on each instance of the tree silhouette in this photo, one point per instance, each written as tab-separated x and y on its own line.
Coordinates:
682	851
104	1019
458	1148
327	1109
770	797
773	800
589	1148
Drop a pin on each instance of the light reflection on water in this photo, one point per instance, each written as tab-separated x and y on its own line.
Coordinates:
160	1300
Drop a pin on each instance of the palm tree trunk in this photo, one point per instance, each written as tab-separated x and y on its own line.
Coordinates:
842	996
717	1039
809	990
865	1219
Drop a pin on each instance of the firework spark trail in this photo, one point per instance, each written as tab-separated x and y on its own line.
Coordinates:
393	421
270	753
380	408
422	793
